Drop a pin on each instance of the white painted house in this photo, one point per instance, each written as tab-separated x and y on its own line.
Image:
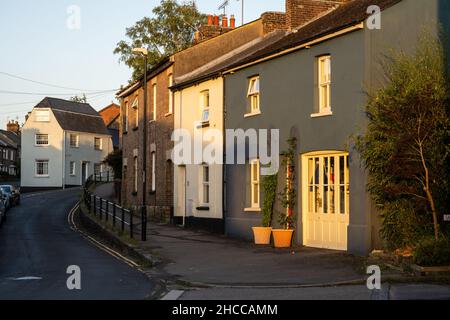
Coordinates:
63	143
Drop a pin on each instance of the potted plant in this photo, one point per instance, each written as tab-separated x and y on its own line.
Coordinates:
283	237
262	234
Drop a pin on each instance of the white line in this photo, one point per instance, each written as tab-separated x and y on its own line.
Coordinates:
98	244
173	295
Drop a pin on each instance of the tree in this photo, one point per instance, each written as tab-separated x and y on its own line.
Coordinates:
79	99
170	30
406	146
114	160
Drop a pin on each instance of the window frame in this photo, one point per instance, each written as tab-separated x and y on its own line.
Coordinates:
46	118
171	95
155	100
255	182
205	107
153	181
72	168
126	117
324	71
100	147
254	96
135	107
37	144
77	140
43	161
206	186
135	175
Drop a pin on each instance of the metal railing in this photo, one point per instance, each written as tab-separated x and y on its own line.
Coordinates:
101	177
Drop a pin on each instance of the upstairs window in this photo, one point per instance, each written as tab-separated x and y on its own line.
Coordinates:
98	143
324	77
253	96
125	119
42	140
74	140
42	115
204	105
135	107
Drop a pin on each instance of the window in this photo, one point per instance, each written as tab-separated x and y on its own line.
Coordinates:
324	77
135	177
135	107
125	118
253	95
41	168
254	181
153	171
97	168
74	140
72	168
204	105
42	115
205	185
154	101
170	94
41	139
12	155
98	143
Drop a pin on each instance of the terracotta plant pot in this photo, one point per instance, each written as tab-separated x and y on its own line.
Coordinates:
262	235
282	238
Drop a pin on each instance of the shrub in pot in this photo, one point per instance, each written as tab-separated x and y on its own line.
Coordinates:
262	234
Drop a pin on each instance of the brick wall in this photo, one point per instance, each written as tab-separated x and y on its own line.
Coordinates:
299	12
272	21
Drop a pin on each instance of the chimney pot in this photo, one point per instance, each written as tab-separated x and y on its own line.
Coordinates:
224	21
216	20
210	20
232	21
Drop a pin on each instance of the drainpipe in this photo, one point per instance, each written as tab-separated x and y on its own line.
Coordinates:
64	161
224	171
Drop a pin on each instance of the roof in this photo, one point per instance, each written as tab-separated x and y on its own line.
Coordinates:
9	139
14	137
75	116
344	16
151	73
214	67
110	113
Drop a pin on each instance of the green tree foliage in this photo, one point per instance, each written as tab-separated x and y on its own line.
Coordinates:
269	186
114	160
79	99
170	30
405	147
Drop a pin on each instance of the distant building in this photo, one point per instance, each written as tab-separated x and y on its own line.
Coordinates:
10	150
63	143
111	117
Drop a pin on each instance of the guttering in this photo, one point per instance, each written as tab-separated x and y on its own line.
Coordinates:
308	44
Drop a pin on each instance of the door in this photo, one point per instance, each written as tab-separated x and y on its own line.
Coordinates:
181	190
84	172
326	200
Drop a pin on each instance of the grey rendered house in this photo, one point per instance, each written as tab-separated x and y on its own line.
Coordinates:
311	86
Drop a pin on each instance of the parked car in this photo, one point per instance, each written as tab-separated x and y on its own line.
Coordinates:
13	195
3	199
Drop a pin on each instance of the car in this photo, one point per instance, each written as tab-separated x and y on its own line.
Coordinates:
3	198
13	195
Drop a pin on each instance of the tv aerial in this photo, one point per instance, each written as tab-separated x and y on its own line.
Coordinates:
226	3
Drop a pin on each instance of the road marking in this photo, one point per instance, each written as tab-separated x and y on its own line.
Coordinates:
25	278
173	295
98	244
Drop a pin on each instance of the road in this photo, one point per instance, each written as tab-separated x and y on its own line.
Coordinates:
37	245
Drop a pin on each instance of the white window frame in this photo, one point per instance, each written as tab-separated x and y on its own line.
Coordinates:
254	96
153	171
42	115
154	92
77	140
135	107
255	182
206	186
38	139
324	76
125	128
43	175
100	147
171	99
72	168
205	105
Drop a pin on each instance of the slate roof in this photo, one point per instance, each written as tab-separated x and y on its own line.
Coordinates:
214	67
344	16
75	116
9	139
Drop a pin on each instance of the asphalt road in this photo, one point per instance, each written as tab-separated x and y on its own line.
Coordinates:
37	246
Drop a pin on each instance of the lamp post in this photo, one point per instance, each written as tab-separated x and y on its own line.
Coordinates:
144	52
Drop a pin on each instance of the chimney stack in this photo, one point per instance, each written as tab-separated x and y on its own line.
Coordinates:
300	12
13	126
216	20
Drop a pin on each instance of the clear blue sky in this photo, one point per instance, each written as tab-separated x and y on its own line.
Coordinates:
37	45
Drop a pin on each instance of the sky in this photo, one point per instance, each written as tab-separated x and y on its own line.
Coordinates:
42	41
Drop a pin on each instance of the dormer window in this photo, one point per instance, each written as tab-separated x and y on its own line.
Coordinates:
42	115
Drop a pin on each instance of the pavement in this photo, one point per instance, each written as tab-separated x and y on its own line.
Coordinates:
37	245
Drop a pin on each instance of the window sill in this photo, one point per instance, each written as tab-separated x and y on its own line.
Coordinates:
322	114
256	210
253	114
203	125
168	114
42	145
202	208
43	177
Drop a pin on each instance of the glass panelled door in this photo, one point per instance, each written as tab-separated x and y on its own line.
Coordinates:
326	200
